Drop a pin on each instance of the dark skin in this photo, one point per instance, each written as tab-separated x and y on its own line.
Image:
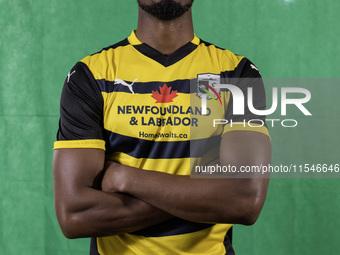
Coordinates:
85	211
165	36
124	205
236	199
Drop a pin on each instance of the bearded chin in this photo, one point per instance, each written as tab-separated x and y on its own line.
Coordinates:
166	9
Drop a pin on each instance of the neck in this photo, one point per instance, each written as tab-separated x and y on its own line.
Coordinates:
165	36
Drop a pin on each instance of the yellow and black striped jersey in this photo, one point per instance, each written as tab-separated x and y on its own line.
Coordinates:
145	110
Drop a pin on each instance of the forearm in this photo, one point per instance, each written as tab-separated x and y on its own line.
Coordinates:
96	213
221	200
83	210
202	200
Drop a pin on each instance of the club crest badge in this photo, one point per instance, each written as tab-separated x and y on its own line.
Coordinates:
207	85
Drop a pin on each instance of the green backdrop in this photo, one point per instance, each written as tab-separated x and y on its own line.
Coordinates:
41	40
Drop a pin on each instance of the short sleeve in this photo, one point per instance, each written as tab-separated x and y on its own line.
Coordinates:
247	76
81	111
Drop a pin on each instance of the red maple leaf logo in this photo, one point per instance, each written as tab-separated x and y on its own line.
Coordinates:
164	96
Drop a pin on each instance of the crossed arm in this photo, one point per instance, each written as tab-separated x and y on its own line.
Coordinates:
83	210
132	199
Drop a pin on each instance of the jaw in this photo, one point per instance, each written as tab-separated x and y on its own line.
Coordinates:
165	10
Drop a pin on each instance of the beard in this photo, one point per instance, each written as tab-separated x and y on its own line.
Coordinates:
166	9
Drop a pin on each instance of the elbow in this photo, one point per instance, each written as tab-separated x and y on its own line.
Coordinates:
250	203
69	235
70	225
250	211
69	230
249	218
245	212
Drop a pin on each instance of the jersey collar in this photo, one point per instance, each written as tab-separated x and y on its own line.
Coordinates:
165	60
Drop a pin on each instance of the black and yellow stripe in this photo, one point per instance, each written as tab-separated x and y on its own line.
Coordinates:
99	110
